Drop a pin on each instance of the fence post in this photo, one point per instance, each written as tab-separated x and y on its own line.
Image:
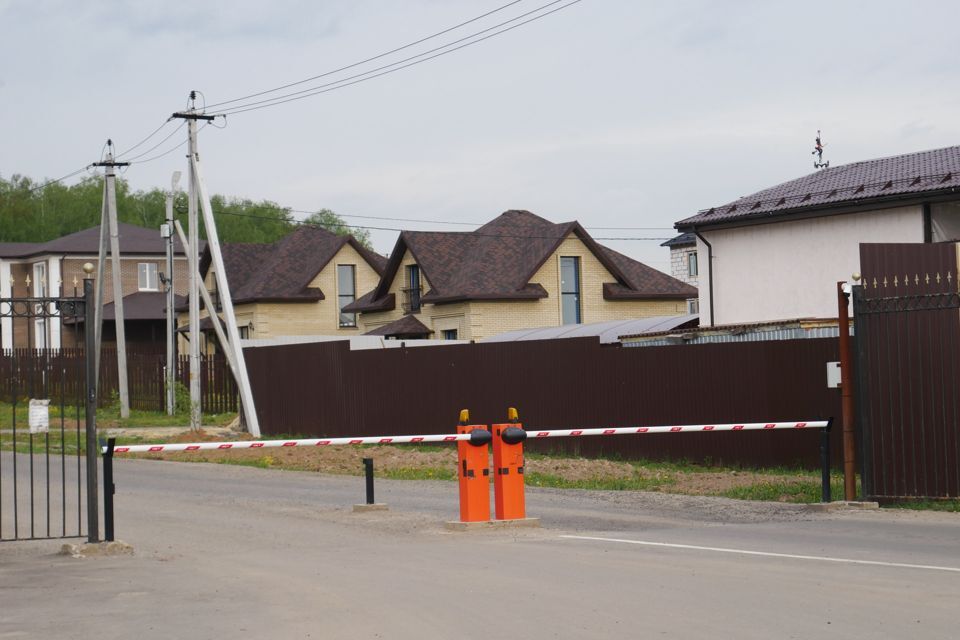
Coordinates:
90	346
825	462
368	471
109	489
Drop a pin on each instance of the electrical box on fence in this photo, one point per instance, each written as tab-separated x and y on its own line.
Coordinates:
833	375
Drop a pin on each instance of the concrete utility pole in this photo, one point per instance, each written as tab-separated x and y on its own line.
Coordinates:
231	341
168	233
110	208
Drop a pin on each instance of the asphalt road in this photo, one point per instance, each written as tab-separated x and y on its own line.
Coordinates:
237	552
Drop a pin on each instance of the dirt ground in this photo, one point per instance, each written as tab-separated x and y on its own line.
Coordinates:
349	461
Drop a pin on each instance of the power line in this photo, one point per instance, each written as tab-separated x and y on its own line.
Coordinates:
143	153
294	221
474	224
49	182
313	90
263	104
371	59
170	150
152	133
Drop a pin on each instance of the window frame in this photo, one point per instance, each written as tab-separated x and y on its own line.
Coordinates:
143	268
414	289
576	293
343	299
693	264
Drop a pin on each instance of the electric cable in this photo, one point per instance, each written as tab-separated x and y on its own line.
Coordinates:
264	104
371	59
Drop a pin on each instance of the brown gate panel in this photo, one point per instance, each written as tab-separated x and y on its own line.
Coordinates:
907	317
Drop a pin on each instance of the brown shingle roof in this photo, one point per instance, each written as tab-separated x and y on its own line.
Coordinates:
496	262
926	172
133	240
407	326
143	305
282	271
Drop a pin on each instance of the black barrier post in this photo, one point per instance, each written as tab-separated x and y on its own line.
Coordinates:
368	471
108	489
825	462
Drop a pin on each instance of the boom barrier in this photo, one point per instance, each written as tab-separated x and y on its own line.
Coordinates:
473	456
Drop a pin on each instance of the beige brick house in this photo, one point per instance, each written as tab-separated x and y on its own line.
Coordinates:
518	271
55	268
298	285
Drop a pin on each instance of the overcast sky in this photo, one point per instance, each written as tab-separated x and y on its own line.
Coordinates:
616	113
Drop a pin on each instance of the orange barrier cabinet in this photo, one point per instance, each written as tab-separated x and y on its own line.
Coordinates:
508	485
473	468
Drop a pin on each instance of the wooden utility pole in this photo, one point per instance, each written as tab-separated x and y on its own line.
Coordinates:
110	209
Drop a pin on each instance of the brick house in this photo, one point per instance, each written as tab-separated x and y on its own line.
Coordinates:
684	264
517	271
298	285
777	254
55	268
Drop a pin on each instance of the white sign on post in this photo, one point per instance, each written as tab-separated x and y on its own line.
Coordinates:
833	375
39	416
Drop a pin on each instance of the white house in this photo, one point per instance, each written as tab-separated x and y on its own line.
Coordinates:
777	254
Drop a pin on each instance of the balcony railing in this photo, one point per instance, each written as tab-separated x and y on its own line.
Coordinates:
411	299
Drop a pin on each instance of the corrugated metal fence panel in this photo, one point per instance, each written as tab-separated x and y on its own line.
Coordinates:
326	389
891	270
909	362
758	335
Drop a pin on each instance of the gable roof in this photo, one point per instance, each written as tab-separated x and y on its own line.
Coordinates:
926	172
406	326
282	271
682	240
134	240
496	262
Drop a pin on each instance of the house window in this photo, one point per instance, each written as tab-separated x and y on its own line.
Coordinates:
40	279
570	289
413	289
693	306
147	276
692	269
346	293
449	334
40	291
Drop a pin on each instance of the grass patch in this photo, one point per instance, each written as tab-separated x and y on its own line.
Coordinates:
952	505
635	483
796	491
107	417
417	473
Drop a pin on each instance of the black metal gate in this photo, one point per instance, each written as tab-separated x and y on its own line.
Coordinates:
907	323
48	456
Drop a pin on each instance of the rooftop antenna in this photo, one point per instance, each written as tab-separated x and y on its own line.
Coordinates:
818	151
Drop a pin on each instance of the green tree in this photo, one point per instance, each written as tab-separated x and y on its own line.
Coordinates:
32	214
330	221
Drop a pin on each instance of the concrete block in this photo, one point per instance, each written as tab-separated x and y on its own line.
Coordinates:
456	525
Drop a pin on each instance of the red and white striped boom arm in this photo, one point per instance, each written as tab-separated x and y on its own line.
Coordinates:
454	437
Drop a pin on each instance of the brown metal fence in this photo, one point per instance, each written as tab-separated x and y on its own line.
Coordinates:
907	315
53	368
324	389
